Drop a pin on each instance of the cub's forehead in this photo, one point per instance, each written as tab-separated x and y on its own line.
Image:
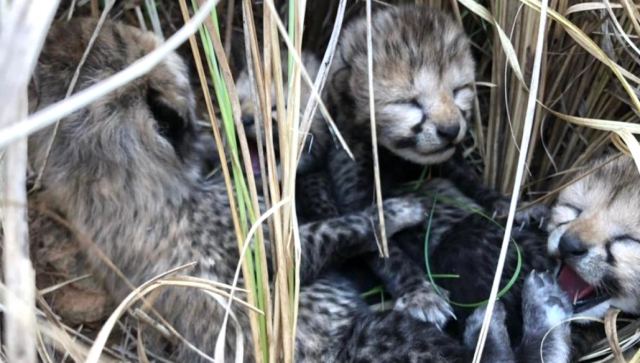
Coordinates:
610	182
413	35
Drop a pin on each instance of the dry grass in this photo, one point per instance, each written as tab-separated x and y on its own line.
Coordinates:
585	101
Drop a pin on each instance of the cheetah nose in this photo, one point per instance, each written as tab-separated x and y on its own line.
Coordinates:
571	246
449	133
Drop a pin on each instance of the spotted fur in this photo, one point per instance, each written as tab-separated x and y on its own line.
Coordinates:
124	172
465	242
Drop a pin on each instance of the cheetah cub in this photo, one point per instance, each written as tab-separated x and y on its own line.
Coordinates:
423	75
594	231
314	148
125	173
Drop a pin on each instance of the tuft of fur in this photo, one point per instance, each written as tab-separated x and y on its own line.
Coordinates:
125	173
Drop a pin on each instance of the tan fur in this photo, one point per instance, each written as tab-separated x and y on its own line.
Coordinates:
601	212
423	76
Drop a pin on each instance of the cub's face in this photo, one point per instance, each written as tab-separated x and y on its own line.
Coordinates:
595	230
423	76
318	134
245	94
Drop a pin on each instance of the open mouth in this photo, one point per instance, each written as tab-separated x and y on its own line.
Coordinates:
583	296
254	153
255	156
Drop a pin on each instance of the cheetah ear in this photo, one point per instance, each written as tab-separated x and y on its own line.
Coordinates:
170	123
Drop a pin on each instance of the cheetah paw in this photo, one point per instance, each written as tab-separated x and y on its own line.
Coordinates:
544	304
535	213
402	213
425	304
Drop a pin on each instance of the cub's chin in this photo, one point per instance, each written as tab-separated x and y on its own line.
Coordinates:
425	158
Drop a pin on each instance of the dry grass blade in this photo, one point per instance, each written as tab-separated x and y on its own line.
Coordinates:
527	129
624	130
618	26
374	137
142	355
590	46
325	66
223	163
137	294
507	47
611	330
245	247
25	26
55	287
247	197
634	14
19	317
589	6
307	79
567	321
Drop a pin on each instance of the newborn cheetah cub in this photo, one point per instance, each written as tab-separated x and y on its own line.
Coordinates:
423	76
316	141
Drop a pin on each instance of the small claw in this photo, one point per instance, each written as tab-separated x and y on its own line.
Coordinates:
420	314
452	315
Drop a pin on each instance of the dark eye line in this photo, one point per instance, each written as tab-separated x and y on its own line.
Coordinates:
625	237
461	88
575	209
408	101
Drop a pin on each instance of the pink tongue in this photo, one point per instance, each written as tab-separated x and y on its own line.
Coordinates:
573	284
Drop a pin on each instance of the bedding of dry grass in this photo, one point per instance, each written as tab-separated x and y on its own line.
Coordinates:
587	102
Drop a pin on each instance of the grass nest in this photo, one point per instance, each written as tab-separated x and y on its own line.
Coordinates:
587	103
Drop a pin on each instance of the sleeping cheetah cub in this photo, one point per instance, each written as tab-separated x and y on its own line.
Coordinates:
423	76
594	230
124	172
